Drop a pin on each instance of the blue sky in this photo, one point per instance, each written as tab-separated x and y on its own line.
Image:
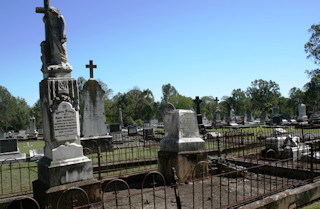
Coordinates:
201	47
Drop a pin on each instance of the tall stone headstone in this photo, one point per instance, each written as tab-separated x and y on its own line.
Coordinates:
232	115
181	146
32	129
64	164
249	116
120	117
302	117
63	160
94	131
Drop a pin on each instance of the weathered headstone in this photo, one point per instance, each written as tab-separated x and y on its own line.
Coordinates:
9	150
92	110
232	115
94	133
132	130
249	116
148	133
263	117
182	146
32	129
302	113
273	111
154	122
63	162
120	117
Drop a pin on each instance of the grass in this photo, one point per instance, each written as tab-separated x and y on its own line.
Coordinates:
25	146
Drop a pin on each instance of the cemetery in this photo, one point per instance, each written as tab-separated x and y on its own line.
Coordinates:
184	159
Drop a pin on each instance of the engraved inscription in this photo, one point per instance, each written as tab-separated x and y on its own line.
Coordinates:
65	123
189	125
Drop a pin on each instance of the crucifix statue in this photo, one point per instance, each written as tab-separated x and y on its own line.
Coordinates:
216	100
54	51
197	101
91	66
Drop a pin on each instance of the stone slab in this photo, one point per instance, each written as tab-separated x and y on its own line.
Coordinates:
61	172
12	157
47	198
92	143
183	162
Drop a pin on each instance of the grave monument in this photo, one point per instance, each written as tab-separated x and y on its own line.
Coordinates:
302	113
63	165
181	146
94	132
32	129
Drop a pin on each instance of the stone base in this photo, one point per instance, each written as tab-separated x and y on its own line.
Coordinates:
183	162
52	174
91	144
182	144
48	197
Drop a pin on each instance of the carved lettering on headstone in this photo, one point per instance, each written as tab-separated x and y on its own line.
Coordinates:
188	126
65	123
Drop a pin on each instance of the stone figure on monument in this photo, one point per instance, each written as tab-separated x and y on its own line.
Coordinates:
53	49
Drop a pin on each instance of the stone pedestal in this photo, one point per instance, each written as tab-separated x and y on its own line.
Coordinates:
183	162
182	146
48	197
65	171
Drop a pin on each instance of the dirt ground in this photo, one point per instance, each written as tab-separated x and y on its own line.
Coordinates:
209	193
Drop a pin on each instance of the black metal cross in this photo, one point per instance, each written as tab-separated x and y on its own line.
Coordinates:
197	101
46	7
91	66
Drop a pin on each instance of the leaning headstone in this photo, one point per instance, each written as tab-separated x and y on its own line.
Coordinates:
94	133
64	164
181	146
302	113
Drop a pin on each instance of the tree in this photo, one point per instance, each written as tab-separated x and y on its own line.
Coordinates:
239	101
168	92
296	96
312	47
312	89
263	94
37	109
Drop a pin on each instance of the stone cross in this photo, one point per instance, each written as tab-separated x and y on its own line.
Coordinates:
216	100
91	66
197	101
46	7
